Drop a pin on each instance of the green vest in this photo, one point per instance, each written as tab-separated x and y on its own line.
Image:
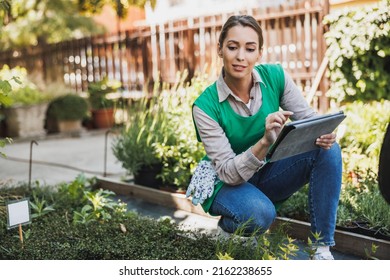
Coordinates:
242	132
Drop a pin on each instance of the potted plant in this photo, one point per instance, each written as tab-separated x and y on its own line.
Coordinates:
24	112
159	141
65	113
102	107
134	146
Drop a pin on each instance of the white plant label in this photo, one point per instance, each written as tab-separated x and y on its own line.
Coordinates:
18	212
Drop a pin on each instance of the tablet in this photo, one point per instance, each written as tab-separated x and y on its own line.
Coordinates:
300	136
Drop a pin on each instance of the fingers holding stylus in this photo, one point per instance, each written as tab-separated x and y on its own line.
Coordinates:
274	123
277	119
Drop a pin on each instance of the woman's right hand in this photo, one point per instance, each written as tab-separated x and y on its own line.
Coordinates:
274	124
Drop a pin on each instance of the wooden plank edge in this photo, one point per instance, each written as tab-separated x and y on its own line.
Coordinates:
346	242
156	196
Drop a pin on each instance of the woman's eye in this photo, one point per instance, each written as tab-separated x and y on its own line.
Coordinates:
250	50
231	48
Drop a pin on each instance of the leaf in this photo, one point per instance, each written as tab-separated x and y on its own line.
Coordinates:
17	80
123	228
5	87
5	100
224	256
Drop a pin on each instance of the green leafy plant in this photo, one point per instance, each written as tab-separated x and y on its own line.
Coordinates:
267	246
4	142
296	206
20	91
134	146
100	208
359	55
4	5
68	107
312	243
363	203
6	89
5	100
98	93
370	252
362	138
71	195
161	131
39	207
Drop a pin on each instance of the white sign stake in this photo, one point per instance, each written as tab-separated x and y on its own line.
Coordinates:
18	215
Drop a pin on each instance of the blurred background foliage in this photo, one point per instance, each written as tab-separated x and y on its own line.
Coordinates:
359	55
37	22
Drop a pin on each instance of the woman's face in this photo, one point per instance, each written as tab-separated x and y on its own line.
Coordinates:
240	52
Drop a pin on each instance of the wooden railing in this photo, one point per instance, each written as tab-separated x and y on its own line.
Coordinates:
293	36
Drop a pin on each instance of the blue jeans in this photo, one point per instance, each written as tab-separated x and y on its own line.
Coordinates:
252	203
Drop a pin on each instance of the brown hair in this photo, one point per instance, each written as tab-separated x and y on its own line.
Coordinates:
243	20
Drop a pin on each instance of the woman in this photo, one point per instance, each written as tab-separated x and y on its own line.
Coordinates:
238	118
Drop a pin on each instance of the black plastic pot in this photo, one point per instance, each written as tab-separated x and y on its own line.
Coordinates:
364	229
147	176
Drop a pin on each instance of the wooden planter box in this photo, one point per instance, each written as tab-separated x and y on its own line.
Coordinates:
346	242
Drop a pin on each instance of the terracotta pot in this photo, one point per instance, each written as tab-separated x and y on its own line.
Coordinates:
103	118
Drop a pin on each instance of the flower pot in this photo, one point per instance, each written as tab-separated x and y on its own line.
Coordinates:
147	176
69	126
25	121
103	118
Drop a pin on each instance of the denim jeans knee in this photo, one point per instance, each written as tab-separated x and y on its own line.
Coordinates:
322	169
243	208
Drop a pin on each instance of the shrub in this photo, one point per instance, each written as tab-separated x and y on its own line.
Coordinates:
98	91
364	203
359	55
365	126
161	131
68	107
24	91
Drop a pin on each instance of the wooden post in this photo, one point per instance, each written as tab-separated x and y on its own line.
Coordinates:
21	234
30	163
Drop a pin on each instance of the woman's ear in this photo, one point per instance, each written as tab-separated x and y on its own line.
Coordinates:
260	53
219	50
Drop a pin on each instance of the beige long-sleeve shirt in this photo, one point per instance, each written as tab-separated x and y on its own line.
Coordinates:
231	168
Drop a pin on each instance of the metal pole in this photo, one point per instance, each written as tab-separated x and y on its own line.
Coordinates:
30	165
105	153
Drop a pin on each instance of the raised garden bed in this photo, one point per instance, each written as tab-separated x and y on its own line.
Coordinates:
347	242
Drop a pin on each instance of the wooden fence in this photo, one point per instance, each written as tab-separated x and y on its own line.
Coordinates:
293	36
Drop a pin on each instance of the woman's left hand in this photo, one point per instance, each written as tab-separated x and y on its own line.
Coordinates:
326	141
